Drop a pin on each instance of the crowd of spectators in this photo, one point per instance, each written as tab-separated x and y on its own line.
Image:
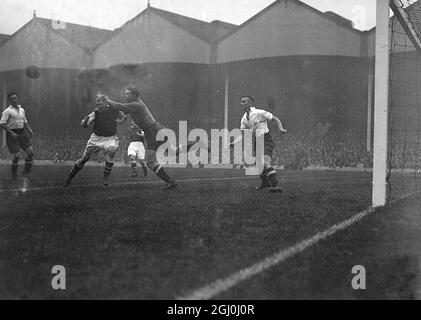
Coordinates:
338	147
59	150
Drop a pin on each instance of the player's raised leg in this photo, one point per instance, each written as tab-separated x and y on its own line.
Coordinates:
159	170
109	163
90	151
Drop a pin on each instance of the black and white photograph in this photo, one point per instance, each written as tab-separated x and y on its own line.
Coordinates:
199	151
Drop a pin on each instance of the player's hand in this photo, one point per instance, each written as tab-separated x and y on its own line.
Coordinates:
283	131
85	122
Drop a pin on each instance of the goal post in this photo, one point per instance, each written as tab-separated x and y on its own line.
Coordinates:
381	104
4	106
397	106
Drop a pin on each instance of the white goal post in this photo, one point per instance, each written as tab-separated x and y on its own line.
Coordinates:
382	86
381	104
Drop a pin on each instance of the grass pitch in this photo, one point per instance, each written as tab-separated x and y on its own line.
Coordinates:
134	240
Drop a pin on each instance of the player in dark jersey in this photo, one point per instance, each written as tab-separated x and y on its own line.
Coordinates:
136	149
103	137
142	116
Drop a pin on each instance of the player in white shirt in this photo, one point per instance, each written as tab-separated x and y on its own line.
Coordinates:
18	135
257	121
136	149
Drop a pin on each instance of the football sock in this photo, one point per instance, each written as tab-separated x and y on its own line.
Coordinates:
134	168
15	165
161	173
271	176
75	170
28	166
264	178
108	168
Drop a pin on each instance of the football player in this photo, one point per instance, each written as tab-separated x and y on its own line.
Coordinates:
256	120
104	137
136	149
143	117
18	135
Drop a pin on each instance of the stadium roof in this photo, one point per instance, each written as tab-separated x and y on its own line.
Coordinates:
333	17
209	32
339	19
83	36
3	37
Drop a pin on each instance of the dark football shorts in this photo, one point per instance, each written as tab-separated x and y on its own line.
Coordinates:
150	136
21	142
269	146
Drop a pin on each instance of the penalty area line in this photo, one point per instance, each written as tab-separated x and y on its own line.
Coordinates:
220	286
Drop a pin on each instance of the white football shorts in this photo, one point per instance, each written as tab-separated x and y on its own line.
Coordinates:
136	149
97	144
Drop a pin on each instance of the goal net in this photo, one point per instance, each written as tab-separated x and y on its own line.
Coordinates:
404	119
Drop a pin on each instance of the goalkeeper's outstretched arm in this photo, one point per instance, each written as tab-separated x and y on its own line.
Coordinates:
124	107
